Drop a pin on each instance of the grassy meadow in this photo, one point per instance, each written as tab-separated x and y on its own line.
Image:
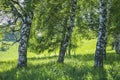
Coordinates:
78	66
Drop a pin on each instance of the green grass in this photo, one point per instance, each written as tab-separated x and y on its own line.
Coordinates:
9	54
76	67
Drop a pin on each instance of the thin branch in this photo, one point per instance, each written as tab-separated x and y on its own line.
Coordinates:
16	2
15	9
15	42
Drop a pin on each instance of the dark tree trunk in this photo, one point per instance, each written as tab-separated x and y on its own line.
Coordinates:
67	36
24	35
104	50
117	43
63	50
101	43
69	48
108	6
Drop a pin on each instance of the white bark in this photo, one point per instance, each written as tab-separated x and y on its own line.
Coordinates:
102	37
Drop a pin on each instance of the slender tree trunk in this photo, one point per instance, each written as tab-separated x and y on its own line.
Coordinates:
67	36
101	43
117	43
24	35
69	48
107	22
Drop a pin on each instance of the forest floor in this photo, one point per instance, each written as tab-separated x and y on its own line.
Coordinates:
78	66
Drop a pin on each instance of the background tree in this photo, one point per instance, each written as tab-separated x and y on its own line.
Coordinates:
67	36
114	20
49	25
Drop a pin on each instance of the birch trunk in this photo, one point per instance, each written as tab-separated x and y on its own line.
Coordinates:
24	35
101	43
108	7
67	36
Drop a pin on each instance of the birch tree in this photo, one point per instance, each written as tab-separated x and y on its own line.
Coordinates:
101	42
27	15
115	20
67	36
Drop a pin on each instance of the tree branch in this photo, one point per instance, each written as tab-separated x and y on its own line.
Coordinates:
16	2
14	9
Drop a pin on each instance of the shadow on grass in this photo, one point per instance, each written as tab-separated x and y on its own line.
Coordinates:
6	62
54	71
86	72
3	50
42	58
66	71
86	57
111	58
32	72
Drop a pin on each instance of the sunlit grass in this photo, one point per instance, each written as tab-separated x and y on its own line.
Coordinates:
44	67
9	54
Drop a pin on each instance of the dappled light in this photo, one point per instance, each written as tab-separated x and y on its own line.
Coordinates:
77	67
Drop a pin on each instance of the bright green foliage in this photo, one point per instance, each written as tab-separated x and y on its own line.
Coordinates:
114	17
48	25
87	15
51	19
114	21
